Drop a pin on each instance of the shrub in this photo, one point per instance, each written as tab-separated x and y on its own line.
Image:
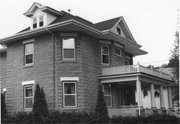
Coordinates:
101	113
3	107
40	110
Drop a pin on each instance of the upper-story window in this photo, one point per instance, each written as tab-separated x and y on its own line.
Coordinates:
119	31
34	22
105	54
29	53
41	21
119	51
68	48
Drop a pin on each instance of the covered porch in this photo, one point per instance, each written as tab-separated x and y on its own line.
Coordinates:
136	90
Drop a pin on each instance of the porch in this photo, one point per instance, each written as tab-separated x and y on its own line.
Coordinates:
134	89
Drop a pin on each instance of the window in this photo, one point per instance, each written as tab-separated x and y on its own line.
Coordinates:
68	48
28	97
107	94
69	95
105	54
119	31
35	22
41	23
119	52
29	53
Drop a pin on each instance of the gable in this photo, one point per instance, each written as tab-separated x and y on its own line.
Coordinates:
125	32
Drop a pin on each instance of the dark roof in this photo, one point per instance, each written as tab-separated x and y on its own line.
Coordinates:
105	25
67	16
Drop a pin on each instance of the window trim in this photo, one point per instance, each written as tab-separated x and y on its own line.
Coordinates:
39	20
64	106
110	95
107	64
122	51
24	97
68	59
24	54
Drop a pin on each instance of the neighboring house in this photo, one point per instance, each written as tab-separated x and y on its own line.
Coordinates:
70	56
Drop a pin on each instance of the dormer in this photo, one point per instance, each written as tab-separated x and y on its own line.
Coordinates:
41	15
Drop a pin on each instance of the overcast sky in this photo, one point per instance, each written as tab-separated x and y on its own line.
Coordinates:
152	22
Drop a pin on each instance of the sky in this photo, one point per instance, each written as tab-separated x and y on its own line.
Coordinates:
152	22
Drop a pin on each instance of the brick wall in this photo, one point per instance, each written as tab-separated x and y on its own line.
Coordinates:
3	70
41	71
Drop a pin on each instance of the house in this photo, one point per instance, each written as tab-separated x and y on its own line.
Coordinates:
70	56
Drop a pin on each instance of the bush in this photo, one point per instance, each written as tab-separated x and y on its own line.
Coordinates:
101	112
40	109
3	107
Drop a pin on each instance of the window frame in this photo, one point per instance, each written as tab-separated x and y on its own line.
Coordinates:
75	94
109	95
118	29
24	44
68	59
24	97
34	23
105	54
41	21
122	51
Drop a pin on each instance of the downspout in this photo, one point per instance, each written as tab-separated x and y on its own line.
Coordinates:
54	83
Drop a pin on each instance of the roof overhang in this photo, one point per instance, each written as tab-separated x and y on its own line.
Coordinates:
73	25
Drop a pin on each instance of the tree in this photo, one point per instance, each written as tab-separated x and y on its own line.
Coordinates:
101	112
174	63
40	109
3	107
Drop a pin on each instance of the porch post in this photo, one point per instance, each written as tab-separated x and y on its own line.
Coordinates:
170	98
162	97
153	104
139	95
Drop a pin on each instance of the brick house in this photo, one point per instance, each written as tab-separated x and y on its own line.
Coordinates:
69	57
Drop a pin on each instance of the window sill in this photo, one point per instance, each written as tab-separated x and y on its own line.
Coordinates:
105	65
68	61
70	108
28	66
28	110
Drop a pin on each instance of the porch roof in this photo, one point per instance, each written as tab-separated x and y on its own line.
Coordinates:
130	73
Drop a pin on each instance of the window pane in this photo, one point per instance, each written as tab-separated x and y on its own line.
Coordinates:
34	22
29	91
107	100
68	43
28	103
105	49
107	89
118	51
70	100
69	88
105	59
29	48
119	31
68	53
29	59
41	21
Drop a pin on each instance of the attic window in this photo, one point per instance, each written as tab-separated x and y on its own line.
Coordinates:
41	23
119	31
35	22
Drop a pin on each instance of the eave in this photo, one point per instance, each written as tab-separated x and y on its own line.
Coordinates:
73	25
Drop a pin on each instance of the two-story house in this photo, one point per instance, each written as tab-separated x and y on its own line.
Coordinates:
69	57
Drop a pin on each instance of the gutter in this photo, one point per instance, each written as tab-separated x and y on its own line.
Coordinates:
54	80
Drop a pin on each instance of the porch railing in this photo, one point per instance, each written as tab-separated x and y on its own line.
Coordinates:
134	69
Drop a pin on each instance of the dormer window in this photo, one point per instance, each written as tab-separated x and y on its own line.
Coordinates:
119	31
41	22
35	22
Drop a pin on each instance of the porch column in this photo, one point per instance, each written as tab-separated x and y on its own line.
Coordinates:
153	103
139	95
162	97
170	98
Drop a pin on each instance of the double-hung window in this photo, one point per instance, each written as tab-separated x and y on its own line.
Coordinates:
68	48
28	97
35	22
69	94
105	54
28	53
119	51
107	94
41	22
